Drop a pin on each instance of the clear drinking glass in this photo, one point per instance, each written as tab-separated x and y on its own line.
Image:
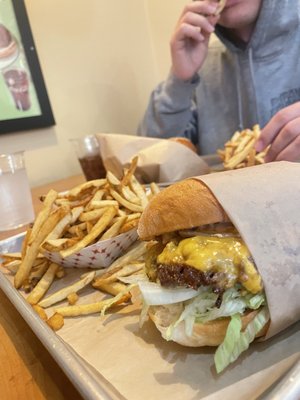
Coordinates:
88	154
16	208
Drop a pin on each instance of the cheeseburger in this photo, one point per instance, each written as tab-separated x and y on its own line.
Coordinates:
202	286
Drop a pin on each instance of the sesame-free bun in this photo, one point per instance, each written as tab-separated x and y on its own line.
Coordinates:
183	205
185	142
211	333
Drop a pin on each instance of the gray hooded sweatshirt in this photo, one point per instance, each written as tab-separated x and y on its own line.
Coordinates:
237	87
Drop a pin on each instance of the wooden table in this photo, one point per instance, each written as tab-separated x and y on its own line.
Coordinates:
27	370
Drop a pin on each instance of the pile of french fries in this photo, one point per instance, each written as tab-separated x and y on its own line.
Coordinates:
96	210
239	151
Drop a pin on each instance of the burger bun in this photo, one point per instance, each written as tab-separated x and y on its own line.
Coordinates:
211	333
185	142
183	205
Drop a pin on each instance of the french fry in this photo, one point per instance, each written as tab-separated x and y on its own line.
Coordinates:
239	151
75	229
95	204
34	248
112	179
57	245
43	285
43	215
89	227
56	322
251	158
154	188
114	229
125	203
38	271
7	257
235	136
221	6
139	191
113	275
98	228
92	308
59	228
40	311
60	273
25	242
75	203
113	288
63	293
128	194
68	219
132	223
97	196
135	252
72	298
133	216
91	215
239	157
12	266
85	188
130	172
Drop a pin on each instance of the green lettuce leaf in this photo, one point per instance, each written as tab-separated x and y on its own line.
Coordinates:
235	341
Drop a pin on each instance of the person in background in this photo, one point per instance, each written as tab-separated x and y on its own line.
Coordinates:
247	73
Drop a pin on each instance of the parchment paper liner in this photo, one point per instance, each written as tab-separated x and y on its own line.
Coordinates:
263	202
160	160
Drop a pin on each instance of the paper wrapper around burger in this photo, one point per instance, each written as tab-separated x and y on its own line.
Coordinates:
160	160
98	255
263	202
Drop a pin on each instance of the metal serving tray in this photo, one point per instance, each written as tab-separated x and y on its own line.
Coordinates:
90	383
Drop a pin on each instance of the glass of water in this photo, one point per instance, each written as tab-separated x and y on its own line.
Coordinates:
16	208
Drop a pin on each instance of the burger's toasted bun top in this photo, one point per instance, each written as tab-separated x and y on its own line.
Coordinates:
209	334
183	205
185	142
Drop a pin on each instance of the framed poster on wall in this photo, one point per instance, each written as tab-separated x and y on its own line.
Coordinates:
24	102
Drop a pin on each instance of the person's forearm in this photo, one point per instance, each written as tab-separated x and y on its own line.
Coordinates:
170	111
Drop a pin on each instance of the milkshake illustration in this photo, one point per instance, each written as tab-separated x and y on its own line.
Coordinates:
18	84
15	75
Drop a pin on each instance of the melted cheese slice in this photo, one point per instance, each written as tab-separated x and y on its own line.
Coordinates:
227	255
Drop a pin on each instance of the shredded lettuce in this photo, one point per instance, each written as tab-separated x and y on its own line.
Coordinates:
199	306
236	341
202	309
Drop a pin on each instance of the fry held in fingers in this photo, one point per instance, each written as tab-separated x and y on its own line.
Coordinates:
221	6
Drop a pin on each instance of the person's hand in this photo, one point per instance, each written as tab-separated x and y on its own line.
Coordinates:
189	43
283	134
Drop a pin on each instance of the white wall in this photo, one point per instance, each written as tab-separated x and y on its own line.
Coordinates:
100	60
163	16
